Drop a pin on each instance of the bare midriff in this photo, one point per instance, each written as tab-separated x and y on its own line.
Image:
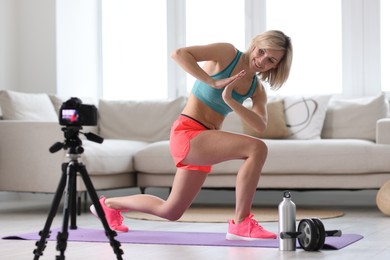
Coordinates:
204	114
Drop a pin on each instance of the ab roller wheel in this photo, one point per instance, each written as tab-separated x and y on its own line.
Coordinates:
312	236
312	233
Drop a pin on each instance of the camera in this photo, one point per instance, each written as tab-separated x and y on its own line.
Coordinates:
74	113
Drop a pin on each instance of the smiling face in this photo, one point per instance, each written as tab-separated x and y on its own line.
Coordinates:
261	60
269	55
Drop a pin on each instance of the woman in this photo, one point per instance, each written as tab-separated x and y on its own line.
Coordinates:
227	78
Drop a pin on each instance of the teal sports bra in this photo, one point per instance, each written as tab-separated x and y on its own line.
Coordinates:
212	97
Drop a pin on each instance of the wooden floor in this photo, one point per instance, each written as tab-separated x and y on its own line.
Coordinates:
29	215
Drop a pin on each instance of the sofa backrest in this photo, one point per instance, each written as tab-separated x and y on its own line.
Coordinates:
26	106
147	121
337	119
151	121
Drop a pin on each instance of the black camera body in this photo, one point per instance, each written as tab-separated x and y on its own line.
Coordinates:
74	113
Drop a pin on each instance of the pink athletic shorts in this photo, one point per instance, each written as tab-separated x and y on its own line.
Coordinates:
183	130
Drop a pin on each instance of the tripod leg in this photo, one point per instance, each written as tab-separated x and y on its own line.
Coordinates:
92	193
73	198
62	236
45	233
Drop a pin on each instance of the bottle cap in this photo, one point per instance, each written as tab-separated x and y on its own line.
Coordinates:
287	194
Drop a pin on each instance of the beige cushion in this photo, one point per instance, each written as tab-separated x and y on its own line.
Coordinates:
276	127
305	115
354	118
148	121
26	106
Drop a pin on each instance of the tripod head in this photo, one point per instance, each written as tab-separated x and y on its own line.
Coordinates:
73	143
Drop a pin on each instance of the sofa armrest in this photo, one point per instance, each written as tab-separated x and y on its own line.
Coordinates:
25	161
383	131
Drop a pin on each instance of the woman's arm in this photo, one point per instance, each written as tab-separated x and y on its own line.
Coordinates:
257	116
217	57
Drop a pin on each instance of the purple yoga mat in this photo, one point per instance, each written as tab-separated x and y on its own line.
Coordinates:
179	238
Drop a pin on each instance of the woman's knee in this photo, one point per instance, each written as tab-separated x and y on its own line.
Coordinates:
173	215
259	149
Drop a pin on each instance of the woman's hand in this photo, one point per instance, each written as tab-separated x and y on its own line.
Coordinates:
228	84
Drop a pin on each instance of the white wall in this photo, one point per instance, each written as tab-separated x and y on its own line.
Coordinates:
36	46
50	46
27	46
8	42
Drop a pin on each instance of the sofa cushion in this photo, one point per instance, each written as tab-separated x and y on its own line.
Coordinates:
319	156
148	121
26	106
305	115
110	157
355	118
155	158
276	127
326	156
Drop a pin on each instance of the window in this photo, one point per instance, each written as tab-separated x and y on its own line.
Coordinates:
136	43
134	47
385	43
316	38
221	21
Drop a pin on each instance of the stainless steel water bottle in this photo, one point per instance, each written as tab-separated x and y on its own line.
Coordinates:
287	223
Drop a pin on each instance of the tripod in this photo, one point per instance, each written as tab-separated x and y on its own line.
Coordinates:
70	169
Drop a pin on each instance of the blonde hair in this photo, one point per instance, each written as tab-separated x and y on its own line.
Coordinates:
274	40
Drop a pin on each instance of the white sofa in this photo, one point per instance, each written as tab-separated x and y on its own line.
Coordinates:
317	142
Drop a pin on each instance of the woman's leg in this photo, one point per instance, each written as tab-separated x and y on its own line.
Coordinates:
223	146
207	148
186	186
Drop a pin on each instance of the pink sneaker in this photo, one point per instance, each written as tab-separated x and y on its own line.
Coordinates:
113	216
248	230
